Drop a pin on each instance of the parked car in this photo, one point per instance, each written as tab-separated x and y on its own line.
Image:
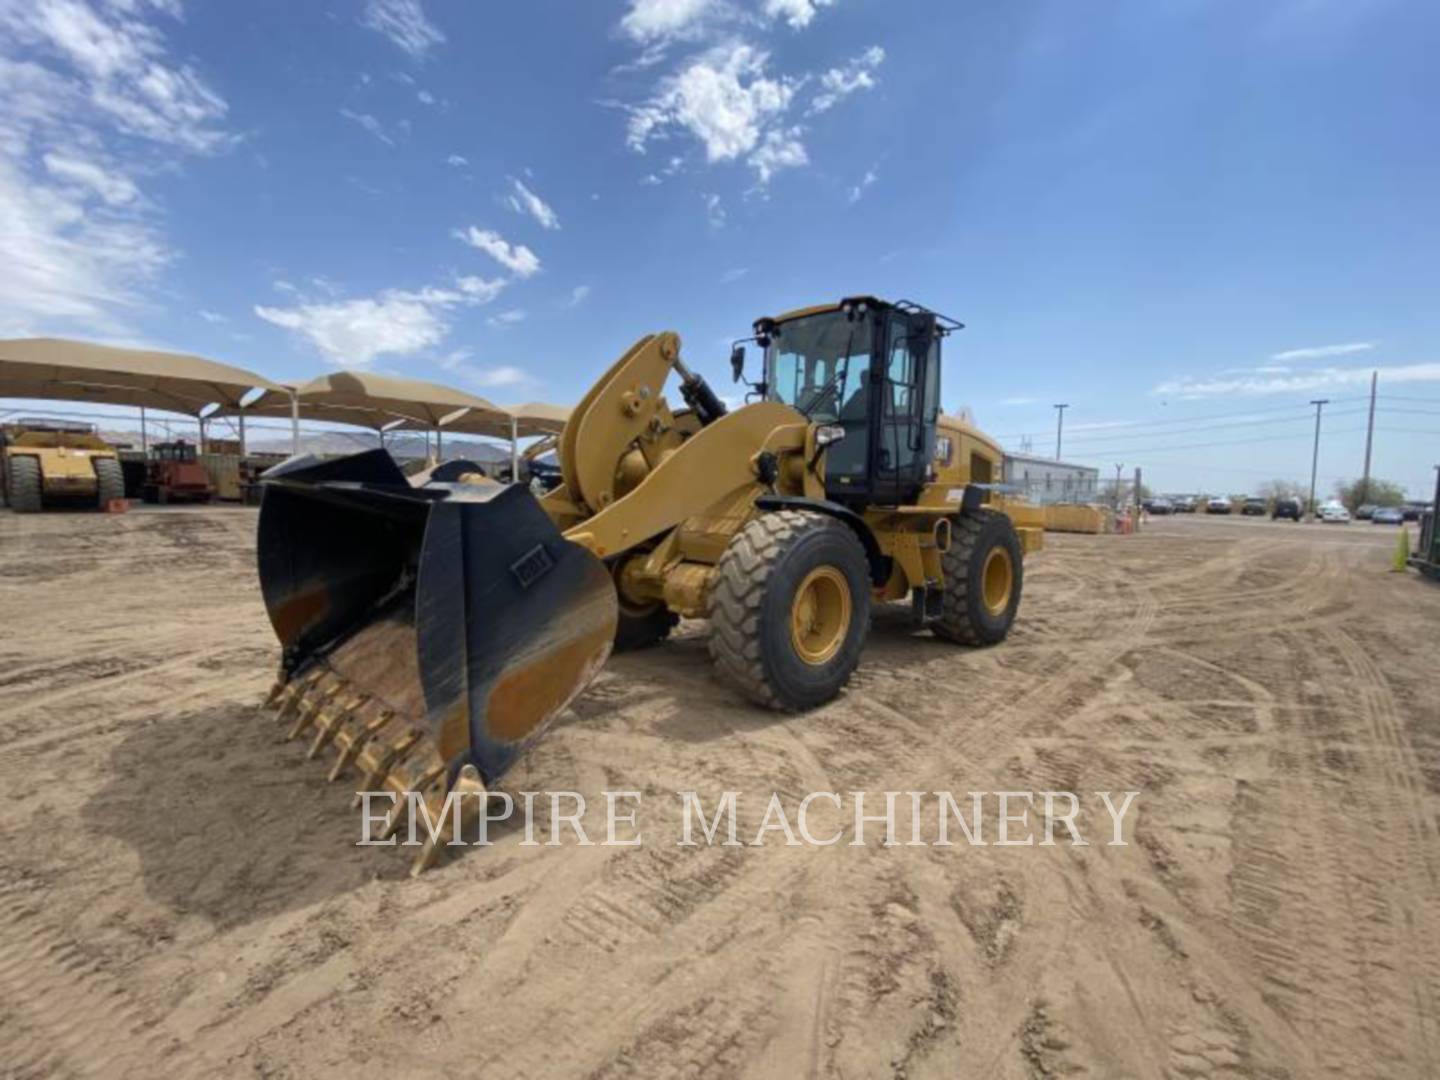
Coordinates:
1413	510
1365	512
1332	513
1288	507
1255	507
1183	504
1218	505
1161	506
1388	515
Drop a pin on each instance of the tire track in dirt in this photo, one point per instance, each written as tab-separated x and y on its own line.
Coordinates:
73	1018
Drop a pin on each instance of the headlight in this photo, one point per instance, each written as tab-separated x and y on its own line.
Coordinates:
827	434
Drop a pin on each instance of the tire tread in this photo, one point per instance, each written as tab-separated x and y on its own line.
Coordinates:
738	595
26	484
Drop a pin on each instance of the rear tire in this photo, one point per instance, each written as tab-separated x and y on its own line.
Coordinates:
979	607
790	609
26	485
110	479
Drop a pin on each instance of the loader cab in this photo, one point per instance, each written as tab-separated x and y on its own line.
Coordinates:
868	374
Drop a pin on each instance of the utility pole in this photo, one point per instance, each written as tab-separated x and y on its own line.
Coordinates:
1315	457
1369	438
1118	467
1059	427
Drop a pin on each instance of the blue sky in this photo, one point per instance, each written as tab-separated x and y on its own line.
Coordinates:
1184	218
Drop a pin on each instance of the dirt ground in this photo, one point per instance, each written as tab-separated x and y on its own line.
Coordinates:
181	893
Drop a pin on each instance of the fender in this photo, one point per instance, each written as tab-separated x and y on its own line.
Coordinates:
879	563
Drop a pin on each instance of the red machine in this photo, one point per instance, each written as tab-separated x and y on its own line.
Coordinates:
174	475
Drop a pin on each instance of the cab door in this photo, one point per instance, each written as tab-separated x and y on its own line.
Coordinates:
905	439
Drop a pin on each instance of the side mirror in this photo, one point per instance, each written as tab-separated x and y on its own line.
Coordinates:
737	362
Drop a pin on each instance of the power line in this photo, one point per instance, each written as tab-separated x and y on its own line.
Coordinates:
1078	431
1266	421
1092	454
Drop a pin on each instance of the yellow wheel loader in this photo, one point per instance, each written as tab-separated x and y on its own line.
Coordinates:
431	632
49	463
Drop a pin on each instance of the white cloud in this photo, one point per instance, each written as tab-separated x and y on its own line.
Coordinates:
524	201
725	99
507	318
714	212
579	295
370	124
780	150
841	82
1320	352
425	97
732	276
123	70
113	188
1018	401
859	189
396	322
797	13
649	20
457	161
650	180
507	375
92	103
212	317
517	258
479	289
405	24
1307	381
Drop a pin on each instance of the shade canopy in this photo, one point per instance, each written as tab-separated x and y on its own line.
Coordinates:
538	418
379	401
65	370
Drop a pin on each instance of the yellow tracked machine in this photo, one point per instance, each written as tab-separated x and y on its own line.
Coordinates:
431	632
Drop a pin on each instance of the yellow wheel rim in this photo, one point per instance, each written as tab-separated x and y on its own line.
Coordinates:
997	580
820	615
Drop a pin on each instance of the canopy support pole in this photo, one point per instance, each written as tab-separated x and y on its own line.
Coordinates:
439	445
144	437
514	450
294	422
242	434
200	445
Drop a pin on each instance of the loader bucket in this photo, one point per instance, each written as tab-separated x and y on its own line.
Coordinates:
429	633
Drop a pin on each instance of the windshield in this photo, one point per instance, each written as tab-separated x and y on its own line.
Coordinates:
819	364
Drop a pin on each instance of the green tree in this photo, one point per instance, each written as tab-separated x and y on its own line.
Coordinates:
1379	493
1282	489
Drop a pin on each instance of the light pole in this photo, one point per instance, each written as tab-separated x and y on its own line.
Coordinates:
1315	457
1059	427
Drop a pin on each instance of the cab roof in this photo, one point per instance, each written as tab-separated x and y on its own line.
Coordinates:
818	309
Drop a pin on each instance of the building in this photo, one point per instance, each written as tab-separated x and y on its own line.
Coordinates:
1044	480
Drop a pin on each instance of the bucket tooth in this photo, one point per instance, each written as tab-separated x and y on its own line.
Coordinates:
352	737
428	784
276	689
293	695
329	720
379	757
470	794
311	707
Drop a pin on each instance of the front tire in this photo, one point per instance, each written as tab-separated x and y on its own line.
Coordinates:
110	481
984	573
790	609
25	485
640	630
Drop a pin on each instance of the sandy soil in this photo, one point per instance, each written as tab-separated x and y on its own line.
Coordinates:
181	893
